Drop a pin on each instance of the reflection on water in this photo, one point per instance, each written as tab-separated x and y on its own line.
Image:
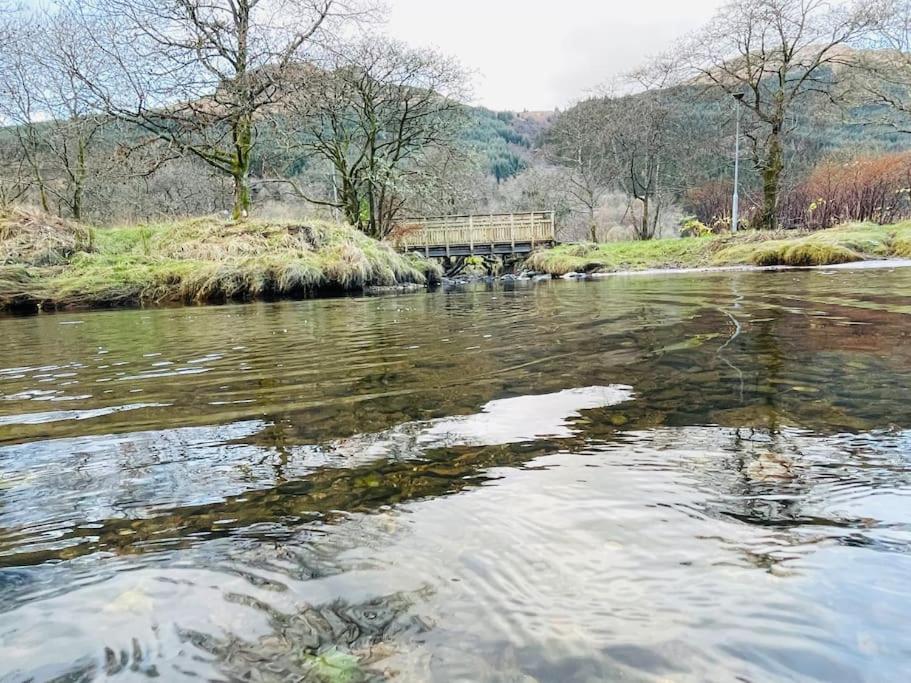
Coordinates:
654	478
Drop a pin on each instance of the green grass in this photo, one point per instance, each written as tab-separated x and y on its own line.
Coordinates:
201	260
842	244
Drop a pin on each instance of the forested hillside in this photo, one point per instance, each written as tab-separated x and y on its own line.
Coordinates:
507	140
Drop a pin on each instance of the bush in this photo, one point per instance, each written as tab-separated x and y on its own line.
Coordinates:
693	227
864	188
710	203
582	249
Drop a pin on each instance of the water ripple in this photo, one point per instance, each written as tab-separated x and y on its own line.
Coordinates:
691	478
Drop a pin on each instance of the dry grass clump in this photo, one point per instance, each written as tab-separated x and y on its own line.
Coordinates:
805	254
582	249
16	287
207	239
299	262
841	244
211	260
900	243
37	239
557	262
622	256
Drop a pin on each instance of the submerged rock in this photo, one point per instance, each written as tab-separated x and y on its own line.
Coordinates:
392	289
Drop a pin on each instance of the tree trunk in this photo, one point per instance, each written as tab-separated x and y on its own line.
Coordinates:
29	147
592	224
771	181
349	199
78	180
241	196
372	228
77	202
644	229
240	166
42	194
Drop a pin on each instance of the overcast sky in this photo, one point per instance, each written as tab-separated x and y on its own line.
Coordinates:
531	54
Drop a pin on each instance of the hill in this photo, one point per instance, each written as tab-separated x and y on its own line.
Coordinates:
506	139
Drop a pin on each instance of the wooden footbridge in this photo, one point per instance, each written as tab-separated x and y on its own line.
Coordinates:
487	235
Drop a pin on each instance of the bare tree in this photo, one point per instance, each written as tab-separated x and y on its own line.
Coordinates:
18	106
55	124
543	185
581	142
198	74
647	140
375	114
631	143
775	53
450	180
12	184
884	74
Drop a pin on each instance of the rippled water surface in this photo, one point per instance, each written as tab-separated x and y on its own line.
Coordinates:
679	477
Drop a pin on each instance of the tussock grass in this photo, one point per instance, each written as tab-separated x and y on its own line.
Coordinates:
901	245
201	260
36	239
618	256
842	244
17	287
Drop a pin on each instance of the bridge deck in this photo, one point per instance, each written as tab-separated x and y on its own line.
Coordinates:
497	234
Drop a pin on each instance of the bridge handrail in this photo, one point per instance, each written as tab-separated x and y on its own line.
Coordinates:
534	227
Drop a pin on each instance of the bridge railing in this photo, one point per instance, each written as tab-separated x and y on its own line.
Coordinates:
451	231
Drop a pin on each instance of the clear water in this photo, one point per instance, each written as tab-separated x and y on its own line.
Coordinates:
686	477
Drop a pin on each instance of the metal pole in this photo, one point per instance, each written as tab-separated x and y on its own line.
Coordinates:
735	209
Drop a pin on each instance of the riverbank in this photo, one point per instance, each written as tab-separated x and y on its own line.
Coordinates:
50	264
843	244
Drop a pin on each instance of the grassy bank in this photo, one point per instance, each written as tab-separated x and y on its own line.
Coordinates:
48	263
842	244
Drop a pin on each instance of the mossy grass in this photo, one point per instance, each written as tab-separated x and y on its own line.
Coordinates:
841	244
200	260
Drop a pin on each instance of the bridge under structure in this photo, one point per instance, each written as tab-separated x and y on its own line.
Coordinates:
505	234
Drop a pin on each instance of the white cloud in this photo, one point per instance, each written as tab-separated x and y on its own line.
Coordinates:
541	55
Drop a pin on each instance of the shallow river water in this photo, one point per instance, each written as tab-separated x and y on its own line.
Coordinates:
677	477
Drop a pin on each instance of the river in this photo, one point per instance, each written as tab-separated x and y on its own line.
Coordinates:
682	477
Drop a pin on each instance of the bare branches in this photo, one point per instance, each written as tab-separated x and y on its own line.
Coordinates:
200	75
582	142
883	78
774	53
56	126
374	112
623	143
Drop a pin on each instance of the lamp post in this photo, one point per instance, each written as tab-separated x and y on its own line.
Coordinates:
735	209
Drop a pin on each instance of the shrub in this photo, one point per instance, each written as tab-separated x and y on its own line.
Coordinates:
693	227
864	188
581	249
